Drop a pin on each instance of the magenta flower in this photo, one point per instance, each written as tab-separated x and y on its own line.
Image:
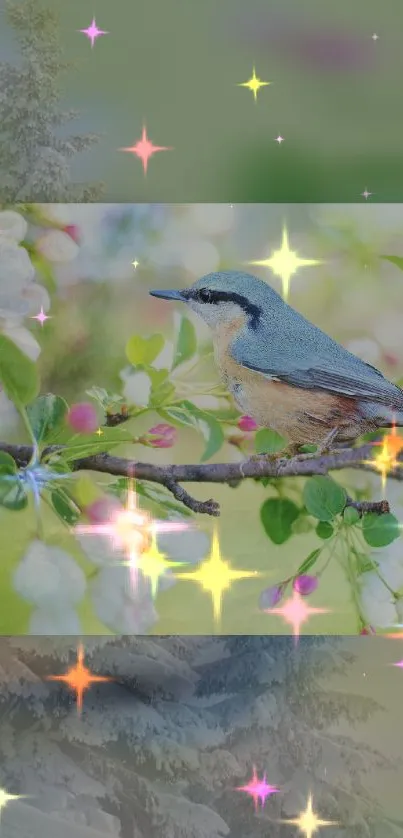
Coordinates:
246	423
73	231
163	436
82	417
305	584
271	596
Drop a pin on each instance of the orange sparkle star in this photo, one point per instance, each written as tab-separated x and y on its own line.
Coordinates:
295	612
79	678
144	149
386	459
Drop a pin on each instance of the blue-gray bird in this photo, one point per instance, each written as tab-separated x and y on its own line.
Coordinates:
284	371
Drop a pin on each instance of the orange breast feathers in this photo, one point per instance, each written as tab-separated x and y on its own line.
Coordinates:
301	416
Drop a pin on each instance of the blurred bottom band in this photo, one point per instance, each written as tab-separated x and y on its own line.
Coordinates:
189	737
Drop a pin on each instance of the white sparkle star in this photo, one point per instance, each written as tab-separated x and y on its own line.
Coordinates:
375	37
366	194
279	139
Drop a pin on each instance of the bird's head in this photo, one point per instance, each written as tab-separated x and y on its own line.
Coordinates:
225	296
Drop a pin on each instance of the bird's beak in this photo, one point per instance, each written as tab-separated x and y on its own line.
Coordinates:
175	294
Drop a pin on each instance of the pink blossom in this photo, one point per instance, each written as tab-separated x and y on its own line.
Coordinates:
305	584
102	509
271	596
164	436
82	417
246	423
73	231
367	630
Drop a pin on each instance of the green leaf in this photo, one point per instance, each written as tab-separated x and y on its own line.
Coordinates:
12	492
177	416
186	342
45	269
380	530
141	350
64	506
323	498
395	260
302	524
18	374
210	428
324	530
309	562
7	463
269	442
350	516
277	516
363	562
46	414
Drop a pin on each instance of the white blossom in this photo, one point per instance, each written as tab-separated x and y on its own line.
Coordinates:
57	246
12	226
49	577
54	623
121	602
137	388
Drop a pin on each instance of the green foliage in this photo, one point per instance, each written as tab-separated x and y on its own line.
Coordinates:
323	497
65	507
269	442
186	342
277	516
395	260
187	414
18	374
12	493
309	562
324	529
380	530
46	415
351	516
143	351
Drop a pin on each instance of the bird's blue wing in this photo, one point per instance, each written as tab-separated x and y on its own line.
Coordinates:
313	361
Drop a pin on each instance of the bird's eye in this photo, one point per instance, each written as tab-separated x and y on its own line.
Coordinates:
205	296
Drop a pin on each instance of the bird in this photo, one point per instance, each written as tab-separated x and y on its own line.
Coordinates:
285	372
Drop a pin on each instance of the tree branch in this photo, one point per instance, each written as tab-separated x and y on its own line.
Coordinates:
231	473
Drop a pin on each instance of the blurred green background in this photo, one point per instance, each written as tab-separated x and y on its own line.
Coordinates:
335	98
101	300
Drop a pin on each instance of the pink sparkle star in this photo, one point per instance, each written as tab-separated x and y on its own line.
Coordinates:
259	790
279	139
399	664
41	317
295	611
366	194
144	149
92	33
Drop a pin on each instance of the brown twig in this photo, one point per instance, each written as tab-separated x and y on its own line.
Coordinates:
230	473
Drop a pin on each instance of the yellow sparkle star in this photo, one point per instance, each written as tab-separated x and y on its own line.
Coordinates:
154	564
215	576
6	798
99	432
135	264
254	84
308	822
285	263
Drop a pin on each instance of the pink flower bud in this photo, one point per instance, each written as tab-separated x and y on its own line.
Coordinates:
368	630
305	584
164	436
82	417
73	231
102	509
246	423
271	596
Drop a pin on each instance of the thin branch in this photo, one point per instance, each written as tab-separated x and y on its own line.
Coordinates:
230	473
